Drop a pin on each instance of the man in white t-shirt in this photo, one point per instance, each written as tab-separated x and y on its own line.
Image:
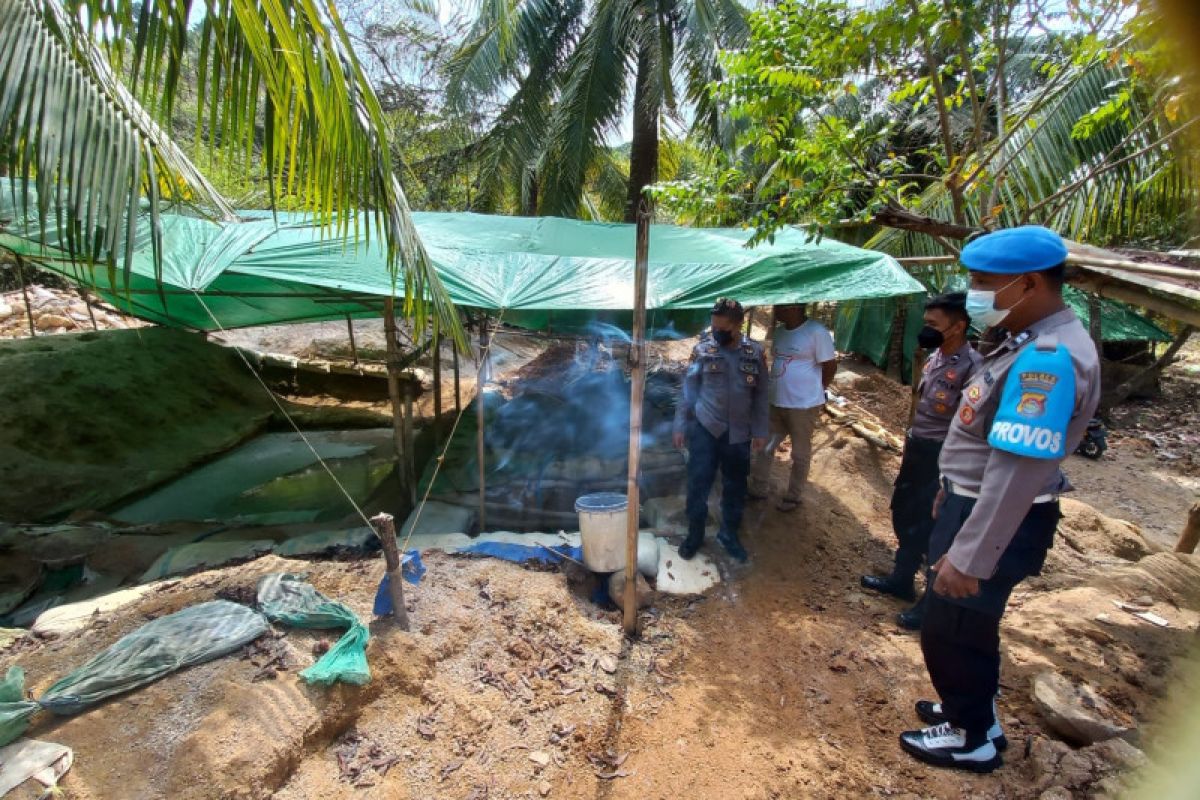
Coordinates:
804	364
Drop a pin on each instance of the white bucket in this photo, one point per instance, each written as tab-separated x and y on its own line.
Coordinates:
602	526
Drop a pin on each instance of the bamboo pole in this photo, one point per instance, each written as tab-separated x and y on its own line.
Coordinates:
353	344
385	529
1144	268
25	295
394	395
637	391
480	382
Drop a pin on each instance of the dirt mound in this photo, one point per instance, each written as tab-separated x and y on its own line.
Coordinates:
88	418
508	681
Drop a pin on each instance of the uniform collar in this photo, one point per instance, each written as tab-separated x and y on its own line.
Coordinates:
1043	325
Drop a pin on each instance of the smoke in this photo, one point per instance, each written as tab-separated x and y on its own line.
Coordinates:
560	429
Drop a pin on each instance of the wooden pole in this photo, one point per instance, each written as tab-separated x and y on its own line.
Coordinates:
457	384
410	464
437	386
480	382
88	305
25	294
637	391
1095	329
394	395
353	345
385	529
1191	532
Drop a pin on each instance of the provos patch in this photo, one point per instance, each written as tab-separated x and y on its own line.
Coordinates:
1035	387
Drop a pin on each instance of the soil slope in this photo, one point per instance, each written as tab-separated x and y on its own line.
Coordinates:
88	418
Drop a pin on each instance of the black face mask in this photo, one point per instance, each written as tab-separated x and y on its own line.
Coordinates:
930	337
722	337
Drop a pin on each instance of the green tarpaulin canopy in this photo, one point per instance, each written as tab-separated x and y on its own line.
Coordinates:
544	273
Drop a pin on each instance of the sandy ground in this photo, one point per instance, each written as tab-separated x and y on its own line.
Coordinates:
785	682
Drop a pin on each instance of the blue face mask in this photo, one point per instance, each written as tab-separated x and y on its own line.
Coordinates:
981	305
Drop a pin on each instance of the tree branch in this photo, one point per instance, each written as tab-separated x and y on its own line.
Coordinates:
903	219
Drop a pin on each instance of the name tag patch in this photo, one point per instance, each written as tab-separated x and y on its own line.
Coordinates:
1042	439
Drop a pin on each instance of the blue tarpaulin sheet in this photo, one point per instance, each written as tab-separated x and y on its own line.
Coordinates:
412	569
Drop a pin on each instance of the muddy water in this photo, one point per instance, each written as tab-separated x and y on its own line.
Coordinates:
274	479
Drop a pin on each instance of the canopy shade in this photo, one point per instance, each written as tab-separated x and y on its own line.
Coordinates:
541	272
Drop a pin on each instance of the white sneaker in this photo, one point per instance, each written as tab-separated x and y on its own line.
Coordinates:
931	713
946	746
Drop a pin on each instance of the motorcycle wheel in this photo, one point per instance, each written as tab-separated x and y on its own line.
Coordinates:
1090	448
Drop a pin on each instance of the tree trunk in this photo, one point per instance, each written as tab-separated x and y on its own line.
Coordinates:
643	156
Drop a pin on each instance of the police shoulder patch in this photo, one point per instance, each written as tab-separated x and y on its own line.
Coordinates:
1036	405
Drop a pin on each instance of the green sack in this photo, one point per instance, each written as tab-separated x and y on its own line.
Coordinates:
291	600
15	710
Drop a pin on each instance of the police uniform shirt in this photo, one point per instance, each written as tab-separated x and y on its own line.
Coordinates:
942	382
1012	430
726	389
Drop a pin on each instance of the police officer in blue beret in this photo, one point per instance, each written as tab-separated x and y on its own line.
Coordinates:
1026	408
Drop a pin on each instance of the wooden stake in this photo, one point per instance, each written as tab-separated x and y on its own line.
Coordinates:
1191	532
480	382
353	346
394	395
637	391
385	529
25	294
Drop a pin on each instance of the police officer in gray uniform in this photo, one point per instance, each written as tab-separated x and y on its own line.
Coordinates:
946	373
1023	412
721	417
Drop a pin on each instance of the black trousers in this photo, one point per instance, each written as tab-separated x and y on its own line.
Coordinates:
708	454
960	638
914	491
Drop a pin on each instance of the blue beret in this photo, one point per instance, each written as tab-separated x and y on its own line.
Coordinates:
1013	251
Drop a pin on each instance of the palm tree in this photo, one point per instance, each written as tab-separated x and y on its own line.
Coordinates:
87	94
560	71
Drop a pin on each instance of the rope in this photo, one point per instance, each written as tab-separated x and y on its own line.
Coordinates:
286	415
441	459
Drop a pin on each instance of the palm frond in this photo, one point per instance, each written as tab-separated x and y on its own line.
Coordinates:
590	105
277	71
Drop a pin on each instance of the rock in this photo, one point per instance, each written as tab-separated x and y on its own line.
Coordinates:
1120	754
1046	755
540	757
616	589
1075	713
6	311
48	321
1057	793
608	663
544	788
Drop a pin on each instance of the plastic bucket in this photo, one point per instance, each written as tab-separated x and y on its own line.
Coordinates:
602	527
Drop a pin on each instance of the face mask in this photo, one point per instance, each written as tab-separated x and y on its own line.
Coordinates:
722	337
930	337
981	305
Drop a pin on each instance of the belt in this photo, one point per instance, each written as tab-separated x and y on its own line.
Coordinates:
954	488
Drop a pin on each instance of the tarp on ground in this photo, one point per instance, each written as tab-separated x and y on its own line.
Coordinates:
543	272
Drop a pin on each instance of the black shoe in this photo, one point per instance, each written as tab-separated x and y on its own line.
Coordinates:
910	620
688	549
931	714
886	585
733	547
946	746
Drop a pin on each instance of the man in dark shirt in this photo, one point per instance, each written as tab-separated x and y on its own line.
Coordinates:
721	418
946	373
